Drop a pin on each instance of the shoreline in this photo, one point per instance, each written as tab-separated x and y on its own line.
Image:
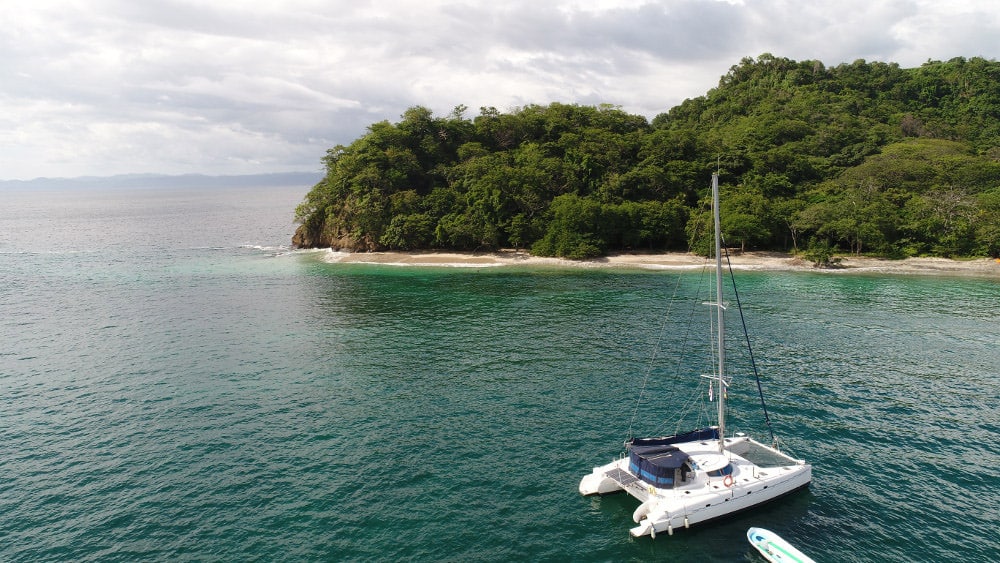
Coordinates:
760	261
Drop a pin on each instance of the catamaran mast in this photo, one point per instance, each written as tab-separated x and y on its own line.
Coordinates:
720	311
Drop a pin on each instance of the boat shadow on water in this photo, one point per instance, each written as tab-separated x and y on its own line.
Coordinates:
725	538
791	512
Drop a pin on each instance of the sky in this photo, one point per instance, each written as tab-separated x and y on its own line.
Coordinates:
106	87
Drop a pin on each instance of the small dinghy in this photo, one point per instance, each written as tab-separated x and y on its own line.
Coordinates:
775	549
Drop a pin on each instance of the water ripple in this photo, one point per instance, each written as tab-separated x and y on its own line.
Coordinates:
207	400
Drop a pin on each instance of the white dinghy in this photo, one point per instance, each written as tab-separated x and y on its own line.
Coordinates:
700	475
775	549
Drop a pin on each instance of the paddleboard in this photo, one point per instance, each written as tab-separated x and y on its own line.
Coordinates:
775	549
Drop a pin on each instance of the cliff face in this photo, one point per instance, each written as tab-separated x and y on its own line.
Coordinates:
303	238
337	239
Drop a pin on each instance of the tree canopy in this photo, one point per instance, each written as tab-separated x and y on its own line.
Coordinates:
861	157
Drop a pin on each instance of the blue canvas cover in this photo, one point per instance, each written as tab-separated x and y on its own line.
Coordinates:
654	459
656	464
703	434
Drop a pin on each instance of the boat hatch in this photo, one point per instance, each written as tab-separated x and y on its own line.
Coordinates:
710	463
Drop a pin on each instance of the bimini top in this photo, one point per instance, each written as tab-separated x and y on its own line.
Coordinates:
656	464
655	460
704	434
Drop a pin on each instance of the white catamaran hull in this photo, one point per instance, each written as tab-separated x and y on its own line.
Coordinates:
669	512
705	497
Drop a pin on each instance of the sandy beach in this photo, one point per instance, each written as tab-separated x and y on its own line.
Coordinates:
773	261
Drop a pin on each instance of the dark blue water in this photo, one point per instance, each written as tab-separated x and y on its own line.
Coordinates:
175	383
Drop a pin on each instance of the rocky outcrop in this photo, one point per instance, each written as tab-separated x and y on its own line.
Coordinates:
303	238
337	239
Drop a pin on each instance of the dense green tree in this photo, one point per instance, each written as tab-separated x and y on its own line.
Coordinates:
745	215
862	157
988	225
574	229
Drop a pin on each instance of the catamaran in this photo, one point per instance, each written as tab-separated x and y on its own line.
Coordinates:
700	475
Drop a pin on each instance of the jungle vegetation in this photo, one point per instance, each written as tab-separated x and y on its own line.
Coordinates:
863	158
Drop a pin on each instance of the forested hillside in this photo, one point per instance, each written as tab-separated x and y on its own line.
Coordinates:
862	157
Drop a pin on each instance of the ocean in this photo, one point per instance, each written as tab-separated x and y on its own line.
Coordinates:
176	383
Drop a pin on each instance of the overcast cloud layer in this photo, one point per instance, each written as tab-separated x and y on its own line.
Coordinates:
102	87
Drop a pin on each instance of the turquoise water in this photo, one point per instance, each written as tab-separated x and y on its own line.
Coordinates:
176	384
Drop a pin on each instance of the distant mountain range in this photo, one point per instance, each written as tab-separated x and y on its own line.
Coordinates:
305	179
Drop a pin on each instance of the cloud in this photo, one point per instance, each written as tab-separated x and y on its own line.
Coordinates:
174	86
